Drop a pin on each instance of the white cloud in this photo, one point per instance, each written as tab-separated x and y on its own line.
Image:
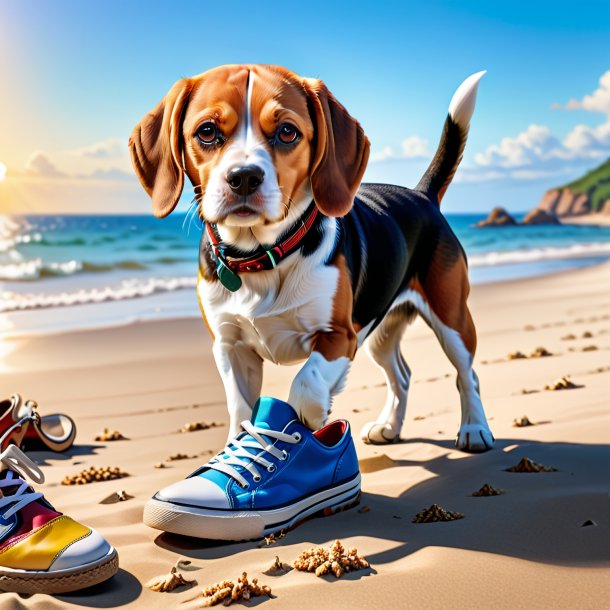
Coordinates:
110	174
469	175
107	149
2	171
535	143
589	142
40	165
415	147
105	160
598	101
382	155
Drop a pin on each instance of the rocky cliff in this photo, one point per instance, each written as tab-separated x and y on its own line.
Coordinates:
587	195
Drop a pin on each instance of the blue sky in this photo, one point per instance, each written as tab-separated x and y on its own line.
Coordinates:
77	76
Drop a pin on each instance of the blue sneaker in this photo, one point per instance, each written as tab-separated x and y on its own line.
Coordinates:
271	476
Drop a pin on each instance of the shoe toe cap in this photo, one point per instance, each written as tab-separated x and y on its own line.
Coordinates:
195	491
83	551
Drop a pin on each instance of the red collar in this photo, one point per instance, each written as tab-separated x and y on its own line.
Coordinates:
263	259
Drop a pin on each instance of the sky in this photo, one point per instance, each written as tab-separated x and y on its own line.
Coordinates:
76	77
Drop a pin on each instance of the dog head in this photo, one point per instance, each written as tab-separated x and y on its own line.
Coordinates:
255	141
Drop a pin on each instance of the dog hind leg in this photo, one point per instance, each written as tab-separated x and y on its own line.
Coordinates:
442	304
383	346
474	434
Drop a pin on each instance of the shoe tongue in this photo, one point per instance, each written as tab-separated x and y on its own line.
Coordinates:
269	414
272	414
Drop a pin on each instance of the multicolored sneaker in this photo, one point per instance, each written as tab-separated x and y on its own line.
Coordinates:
41	550
270	477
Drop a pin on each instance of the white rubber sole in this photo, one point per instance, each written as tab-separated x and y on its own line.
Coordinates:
248	525
60	581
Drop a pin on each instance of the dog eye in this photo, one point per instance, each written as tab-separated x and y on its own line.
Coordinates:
208	133
287	133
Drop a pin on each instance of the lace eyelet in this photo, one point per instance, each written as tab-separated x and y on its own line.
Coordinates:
271	468
256	478
245	486
297	437
284	456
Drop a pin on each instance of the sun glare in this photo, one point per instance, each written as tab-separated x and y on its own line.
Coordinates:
2	171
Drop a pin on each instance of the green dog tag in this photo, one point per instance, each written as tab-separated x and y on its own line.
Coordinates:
228	278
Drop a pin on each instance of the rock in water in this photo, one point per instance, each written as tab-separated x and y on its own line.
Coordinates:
498	217
541	217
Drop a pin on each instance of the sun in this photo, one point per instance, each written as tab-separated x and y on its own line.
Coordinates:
2	171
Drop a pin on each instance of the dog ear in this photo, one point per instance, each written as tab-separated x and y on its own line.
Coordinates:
341	151
156	149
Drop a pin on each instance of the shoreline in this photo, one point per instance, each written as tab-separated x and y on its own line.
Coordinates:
600	220
181	304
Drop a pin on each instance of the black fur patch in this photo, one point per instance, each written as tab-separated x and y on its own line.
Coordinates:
389	237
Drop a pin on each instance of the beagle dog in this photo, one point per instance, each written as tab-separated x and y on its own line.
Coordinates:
298	261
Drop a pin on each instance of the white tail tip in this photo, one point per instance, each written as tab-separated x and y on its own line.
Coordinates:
463	100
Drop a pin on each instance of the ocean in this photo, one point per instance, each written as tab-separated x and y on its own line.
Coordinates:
62	273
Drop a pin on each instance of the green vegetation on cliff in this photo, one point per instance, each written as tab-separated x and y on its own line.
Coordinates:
595	184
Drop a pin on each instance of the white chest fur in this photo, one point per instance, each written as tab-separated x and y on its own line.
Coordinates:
277	312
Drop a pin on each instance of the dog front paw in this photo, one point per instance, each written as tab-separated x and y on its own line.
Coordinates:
310	397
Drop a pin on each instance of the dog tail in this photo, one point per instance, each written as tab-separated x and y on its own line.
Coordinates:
449	153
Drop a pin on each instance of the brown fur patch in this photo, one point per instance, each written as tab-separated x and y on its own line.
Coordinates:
341	340
446	290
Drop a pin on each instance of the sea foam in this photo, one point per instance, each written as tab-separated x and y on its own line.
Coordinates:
126	289
507	257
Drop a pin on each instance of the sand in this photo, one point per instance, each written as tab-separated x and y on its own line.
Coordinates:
522	549
602	220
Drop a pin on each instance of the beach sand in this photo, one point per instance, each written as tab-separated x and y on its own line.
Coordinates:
602	220
523	549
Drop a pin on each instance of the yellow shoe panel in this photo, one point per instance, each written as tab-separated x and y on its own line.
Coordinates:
38	550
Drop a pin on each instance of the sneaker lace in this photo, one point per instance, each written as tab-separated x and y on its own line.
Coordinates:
18	465
236	452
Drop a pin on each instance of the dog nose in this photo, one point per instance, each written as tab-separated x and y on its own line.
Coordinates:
244	180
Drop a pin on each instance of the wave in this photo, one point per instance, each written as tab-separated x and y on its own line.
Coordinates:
77	241
6	245
35	269
507	257
127	289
